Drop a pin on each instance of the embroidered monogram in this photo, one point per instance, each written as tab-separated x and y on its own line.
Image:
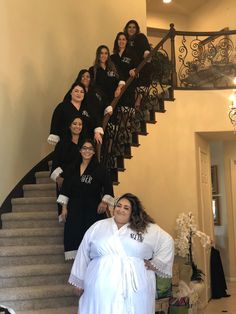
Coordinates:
126	60
86	178
85	113
137	236
98	97
111	74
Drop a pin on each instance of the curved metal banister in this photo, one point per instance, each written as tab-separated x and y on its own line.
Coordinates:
219	33
138	69
115	101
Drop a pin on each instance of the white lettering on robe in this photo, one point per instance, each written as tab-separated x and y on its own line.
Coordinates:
86	178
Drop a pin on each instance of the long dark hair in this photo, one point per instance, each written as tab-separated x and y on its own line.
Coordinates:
77	84
81	73
116	48
139	219
109	64
77	81
71	120
136	25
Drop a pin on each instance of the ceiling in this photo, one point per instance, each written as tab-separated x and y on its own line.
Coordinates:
176	6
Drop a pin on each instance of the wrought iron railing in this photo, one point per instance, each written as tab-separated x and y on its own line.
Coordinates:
205	60
181	60
127	121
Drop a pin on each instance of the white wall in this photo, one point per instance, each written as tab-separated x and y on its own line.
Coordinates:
43	46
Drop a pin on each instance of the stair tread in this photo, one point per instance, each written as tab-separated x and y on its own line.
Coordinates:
62	310
32	232
29	216
35	292
39	186
34	270
31	250
32	200
41	174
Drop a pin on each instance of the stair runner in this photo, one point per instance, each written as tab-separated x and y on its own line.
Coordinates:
33	272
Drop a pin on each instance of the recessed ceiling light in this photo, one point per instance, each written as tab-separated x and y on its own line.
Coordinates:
167	1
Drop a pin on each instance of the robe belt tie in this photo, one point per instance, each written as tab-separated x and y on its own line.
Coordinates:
130	283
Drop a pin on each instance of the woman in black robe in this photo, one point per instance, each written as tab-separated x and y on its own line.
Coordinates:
66	153
105	75
75	104
95	99
84	196
139	43
126	62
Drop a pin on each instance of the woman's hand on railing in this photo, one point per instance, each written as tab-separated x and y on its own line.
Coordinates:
118	90
98	138
108	110
132	72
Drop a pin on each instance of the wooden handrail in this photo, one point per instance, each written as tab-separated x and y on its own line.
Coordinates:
210	38
219	33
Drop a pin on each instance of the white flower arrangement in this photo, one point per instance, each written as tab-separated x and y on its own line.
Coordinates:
186	231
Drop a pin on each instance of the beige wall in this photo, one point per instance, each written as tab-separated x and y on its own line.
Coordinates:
163	169
214	15
43	46
157	19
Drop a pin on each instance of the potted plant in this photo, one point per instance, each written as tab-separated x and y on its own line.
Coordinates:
186	232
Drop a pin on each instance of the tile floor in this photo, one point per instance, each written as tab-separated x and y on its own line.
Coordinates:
223	305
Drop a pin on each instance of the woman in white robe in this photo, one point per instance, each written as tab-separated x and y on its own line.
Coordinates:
114	270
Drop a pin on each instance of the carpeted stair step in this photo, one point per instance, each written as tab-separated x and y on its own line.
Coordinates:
31	255
31	236
39	190
34	275
61	310
38	297
34	204
43	177
29	220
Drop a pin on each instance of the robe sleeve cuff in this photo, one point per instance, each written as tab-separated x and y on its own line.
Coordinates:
53	139
121	83
62	199
108	109
109	200
99	130
76	281
56	173
161	269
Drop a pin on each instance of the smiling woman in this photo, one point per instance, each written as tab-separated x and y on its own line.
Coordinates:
83	196
117	261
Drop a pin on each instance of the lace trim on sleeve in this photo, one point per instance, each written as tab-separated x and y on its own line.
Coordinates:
109	200
62	199
56	173
53	139
76	281
161	269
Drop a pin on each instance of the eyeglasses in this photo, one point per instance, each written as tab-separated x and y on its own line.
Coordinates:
89	149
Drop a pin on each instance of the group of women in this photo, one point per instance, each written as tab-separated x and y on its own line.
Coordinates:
77	124
115	258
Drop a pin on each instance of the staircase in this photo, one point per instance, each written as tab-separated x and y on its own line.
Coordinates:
33	272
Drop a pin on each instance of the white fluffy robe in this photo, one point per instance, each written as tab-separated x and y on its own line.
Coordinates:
109	266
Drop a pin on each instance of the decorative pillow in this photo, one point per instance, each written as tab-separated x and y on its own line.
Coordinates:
163	287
